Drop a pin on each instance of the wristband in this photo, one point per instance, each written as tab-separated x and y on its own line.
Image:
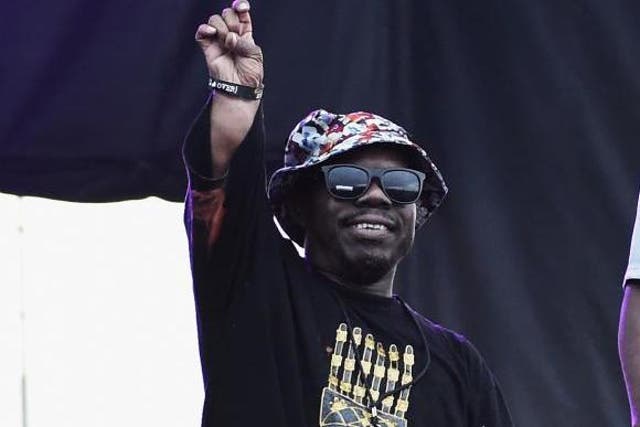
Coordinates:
237	90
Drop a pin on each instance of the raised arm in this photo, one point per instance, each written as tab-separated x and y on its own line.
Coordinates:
226	205
232	56
629	331
629	345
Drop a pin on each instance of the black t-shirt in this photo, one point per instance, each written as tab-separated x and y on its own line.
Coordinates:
277	339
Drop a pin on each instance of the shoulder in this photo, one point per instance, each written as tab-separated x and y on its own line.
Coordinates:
454	350
455	358
441	336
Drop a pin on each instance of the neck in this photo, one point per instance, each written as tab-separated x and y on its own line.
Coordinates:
383	287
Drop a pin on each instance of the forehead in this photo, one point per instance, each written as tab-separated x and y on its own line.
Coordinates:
375	156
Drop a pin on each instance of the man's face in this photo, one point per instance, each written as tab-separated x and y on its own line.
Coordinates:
359	240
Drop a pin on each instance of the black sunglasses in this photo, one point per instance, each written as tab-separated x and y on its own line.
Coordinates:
351	181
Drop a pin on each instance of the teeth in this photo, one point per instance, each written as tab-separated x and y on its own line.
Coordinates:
368	226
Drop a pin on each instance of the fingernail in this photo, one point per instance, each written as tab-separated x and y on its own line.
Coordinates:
241	6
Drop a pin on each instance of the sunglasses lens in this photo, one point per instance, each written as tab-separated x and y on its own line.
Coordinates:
401	186
347	182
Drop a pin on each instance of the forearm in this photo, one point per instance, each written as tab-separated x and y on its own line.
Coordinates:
629	346
231	119
206	196
232	56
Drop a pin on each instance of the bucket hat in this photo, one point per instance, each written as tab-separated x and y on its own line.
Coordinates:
323	135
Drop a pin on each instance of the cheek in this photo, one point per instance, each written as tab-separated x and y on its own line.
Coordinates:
317	213
413	212
410	213
409	218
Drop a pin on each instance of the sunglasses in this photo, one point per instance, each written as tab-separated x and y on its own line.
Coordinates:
349	182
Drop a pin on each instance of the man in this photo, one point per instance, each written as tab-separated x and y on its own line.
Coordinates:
319	340
629	332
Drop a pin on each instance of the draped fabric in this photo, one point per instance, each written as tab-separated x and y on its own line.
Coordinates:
530	109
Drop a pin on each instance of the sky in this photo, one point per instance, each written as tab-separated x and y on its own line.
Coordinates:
96	309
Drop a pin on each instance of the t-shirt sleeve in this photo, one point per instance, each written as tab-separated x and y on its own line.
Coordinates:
222	216
488	407
633	269
491	409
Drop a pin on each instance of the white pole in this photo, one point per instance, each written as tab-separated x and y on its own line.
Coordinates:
22	311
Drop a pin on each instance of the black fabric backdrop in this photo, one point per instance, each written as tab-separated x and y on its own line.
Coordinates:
530	108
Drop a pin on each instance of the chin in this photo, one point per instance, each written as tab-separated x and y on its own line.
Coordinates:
368	269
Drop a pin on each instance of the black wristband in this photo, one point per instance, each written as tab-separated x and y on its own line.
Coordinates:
237	90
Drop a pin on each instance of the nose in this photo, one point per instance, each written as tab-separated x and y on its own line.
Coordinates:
374	196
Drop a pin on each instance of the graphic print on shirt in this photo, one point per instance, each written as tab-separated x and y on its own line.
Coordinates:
346	402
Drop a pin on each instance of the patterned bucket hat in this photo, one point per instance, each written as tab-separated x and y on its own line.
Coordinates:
323	135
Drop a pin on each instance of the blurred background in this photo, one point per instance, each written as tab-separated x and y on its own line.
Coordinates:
96	315
530	109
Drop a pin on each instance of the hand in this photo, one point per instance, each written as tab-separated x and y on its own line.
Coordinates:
231	54
227	43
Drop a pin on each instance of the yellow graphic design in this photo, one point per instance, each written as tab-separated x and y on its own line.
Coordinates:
345	401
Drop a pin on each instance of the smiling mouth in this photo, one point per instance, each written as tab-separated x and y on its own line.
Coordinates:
370	226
